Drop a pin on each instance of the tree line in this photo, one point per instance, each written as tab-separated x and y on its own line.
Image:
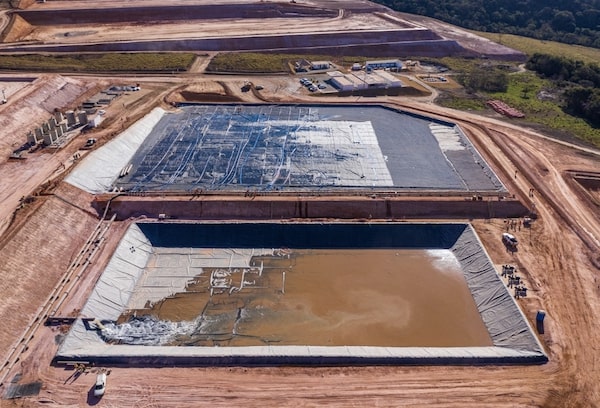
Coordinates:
580	81
571	22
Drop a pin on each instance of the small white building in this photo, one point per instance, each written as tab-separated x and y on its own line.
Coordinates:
319	65
389	79
395	65
371	80
95	121
363	80
342	83
334	74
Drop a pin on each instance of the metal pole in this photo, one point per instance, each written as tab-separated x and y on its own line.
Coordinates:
283	283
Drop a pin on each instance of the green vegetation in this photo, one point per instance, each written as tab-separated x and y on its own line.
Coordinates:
565	98
465	104
488	79
251	62
138	62
524	93
456	64
539	98
530	46
248	62
581	82
564	69
277	63
571	22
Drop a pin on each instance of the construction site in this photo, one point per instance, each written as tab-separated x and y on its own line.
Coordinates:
198	244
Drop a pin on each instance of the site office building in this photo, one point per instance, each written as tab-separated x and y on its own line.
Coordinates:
393	65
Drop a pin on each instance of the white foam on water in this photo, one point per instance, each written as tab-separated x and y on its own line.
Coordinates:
444	261
146	331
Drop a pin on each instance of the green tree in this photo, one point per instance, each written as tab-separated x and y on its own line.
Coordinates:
485	79
563	21
557	20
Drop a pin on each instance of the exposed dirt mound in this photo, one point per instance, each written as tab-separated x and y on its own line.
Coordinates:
207	97
53	250
35	103
208	91
171	13
207	87
331	27
17	29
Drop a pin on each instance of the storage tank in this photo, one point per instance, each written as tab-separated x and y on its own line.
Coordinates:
47	139
82	116
71	121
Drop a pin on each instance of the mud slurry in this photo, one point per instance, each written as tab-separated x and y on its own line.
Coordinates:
325	297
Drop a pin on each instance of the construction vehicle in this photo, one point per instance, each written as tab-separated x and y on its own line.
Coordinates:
509	240
247	86
89	144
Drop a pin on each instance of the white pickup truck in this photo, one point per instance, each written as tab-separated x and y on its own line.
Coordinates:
509	239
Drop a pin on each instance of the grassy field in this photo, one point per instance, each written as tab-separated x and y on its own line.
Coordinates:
523	93
138	62
279	63
544	112
252	63
249	62
465	104
525	87
530	46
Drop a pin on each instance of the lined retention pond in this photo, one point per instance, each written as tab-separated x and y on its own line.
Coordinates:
341	297
300	293
304	147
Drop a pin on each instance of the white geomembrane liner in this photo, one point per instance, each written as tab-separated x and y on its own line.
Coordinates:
512	337
356	142
363	162
447	137
97	171
172	269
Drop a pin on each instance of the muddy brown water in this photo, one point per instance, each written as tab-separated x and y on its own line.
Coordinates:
396	298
